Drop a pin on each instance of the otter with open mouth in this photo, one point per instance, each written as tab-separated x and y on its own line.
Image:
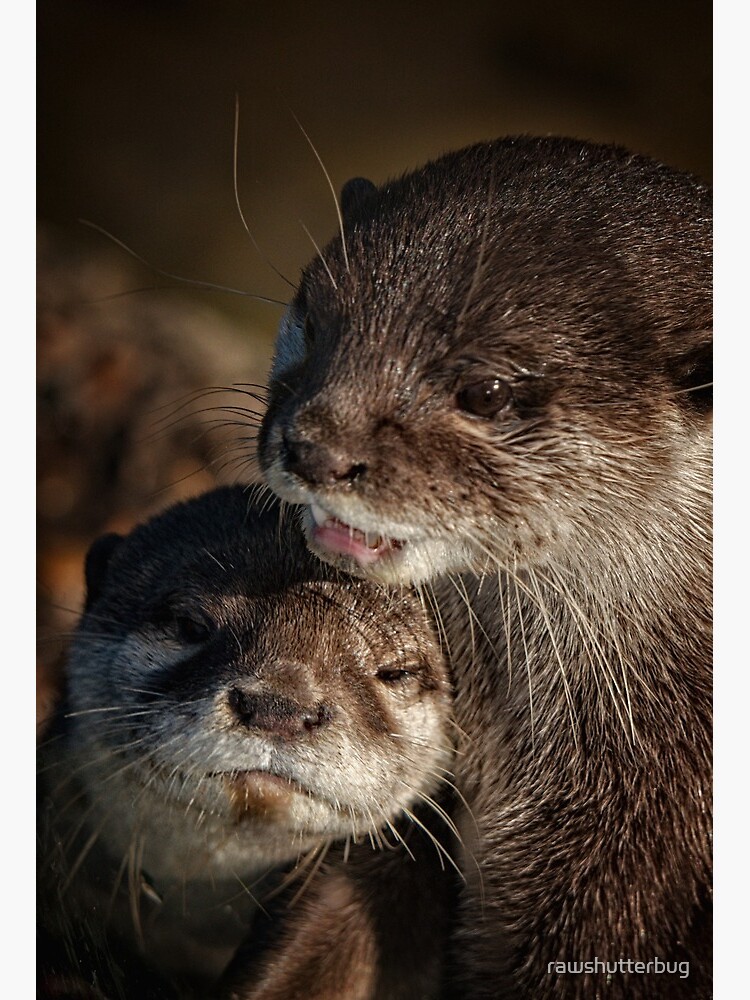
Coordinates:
496	382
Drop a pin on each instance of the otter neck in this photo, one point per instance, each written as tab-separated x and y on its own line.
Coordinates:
606	639
602	680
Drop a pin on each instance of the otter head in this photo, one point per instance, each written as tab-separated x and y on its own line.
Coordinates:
502	356
234	702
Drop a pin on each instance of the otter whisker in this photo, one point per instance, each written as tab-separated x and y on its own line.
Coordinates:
116	883
347	847
330	185
443	779
152	692
442	852
263	389
81	858
321	855
302	864
527	660
473	619
194	283
558	655
135	856
438	809
400	840
106	708
247	418
245	891
423	744
580	620
320	254
188	399
470	616
237	194
505	609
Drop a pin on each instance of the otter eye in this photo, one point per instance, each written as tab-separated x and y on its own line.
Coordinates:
485	399
192	630
393	675
189	625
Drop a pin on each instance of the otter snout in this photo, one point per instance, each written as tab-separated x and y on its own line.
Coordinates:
317	464
275	714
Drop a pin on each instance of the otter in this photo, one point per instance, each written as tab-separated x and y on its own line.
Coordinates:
495	382
234	705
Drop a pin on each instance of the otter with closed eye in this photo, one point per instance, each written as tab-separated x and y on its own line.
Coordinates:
232	705
496	381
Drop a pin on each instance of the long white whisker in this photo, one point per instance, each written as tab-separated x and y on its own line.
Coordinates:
330	185
320	254
237	194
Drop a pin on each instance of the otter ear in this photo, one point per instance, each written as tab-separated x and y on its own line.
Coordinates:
97	561
694	375
354	196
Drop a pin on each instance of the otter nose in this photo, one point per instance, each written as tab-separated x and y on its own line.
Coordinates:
276	714
317	464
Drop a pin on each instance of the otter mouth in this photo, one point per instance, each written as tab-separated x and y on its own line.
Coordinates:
340	538
260	796
262	781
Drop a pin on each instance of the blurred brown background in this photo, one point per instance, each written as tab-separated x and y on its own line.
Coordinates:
136	106
135	132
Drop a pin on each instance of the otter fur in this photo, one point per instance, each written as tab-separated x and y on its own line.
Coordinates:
495	382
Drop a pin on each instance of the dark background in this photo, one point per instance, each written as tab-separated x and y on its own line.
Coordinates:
136	106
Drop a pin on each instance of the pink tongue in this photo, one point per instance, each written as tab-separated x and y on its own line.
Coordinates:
338	537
